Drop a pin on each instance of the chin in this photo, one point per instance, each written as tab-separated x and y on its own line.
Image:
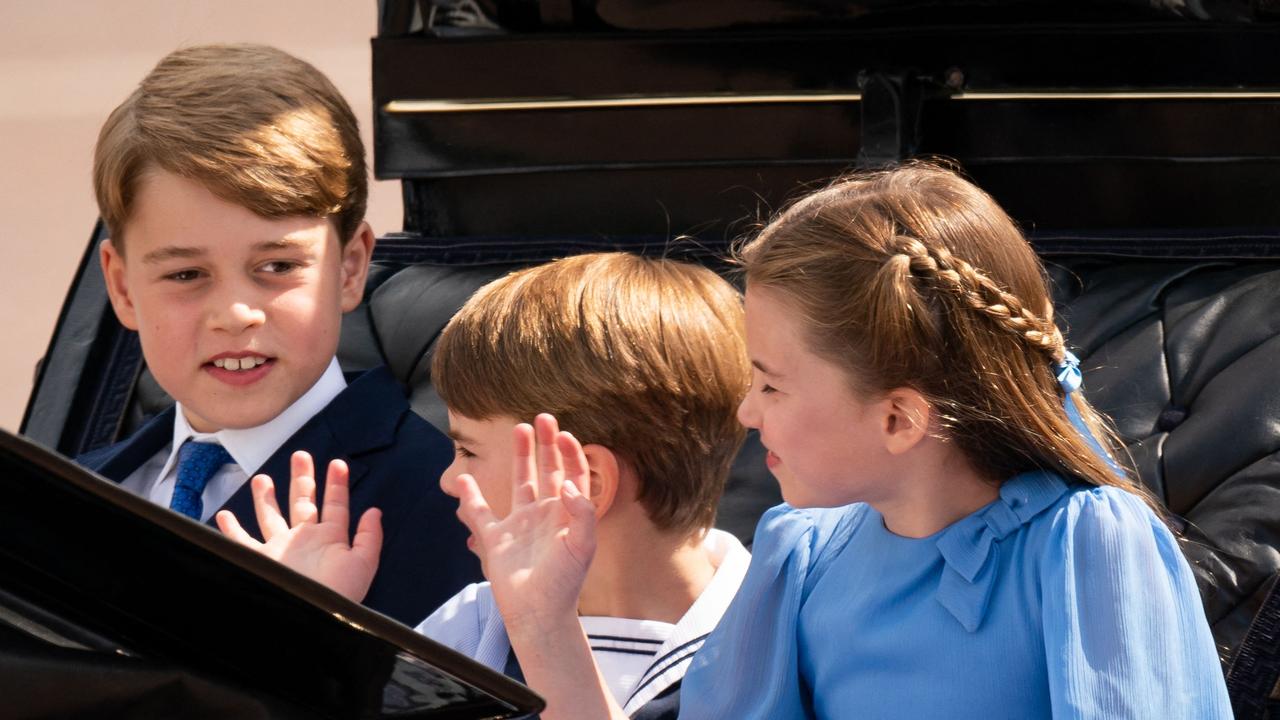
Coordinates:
802	500
792	494
236	420
797	495
815	503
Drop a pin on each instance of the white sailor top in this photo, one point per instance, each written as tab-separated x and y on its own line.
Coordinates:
469	623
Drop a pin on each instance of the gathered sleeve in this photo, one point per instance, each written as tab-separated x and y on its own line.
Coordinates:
749	667
1125	631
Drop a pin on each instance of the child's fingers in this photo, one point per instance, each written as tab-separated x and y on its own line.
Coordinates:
550	464
524	475
337	508
265	507
230	527
473	511
476	547
302	489
575	462
305	511
367	544
581	539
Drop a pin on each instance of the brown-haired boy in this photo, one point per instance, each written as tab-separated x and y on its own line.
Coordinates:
644	361
233	185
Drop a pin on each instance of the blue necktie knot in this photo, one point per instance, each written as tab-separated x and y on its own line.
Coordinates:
197	463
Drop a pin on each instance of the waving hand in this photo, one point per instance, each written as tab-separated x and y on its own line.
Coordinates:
315	542
537	557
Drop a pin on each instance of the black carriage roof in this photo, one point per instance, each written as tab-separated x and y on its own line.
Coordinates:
632	119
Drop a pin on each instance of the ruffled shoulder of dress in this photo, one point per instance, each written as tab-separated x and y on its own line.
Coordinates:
784	531
970	547
1097	522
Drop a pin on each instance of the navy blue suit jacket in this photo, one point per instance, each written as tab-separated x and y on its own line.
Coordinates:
396	459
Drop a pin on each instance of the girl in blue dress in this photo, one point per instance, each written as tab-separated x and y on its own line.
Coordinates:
957	542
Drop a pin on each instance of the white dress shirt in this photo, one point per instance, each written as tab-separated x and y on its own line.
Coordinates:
249	447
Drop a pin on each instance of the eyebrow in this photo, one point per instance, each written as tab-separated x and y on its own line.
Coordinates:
460	438
280	244
177	252
172	252
760	366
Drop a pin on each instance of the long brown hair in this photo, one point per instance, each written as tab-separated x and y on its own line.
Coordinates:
914	277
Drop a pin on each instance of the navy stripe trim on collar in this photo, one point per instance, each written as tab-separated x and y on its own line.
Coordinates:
654	671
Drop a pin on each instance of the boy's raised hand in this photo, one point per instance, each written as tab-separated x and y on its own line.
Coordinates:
316	545
536	560
537	557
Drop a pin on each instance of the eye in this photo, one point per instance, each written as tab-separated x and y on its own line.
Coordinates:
183	276
463	452
767	389
279	267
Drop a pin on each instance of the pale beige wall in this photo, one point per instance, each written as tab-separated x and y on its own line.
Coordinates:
63	67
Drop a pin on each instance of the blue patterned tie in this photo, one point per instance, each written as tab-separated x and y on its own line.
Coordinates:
197	462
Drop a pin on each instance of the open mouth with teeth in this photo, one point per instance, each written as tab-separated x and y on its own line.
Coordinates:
239	364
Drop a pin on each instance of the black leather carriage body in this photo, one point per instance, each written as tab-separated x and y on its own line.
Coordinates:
1138	147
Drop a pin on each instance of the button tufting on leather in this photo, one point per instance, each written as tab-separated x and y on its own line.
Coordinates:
1170	418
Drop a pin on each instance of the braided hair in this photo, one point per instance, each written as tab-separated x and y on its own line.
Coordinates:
914	277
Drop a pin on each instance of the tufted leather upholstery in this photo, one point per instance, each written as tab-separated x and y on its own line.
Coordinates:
1184	355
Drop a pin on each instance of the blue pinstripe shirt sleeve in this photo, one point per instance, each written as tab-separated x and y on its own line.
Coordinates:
469	622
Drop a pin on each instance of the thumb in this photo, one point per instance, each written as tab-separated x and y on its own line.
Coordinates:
231	527
473	510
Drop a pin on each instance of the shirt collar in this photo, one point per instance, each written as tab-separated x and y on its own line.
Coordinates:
252	447
730	559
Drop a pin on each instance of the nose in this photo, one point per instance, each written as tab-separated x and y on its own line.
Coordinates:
448	480
747	412
236	310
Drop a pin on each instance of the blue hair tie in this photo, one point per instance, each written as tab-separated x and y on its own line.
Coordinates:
1071	379
1068	372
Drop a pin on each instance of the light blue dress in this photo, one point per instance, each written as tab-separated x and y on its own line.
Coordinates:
1056	600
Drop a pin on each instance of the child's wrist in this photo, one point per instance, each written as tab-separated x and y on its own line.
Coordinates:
538	624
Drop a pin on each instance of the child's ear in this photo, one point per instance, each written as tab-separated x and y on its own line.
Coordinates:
113	271
355	266
905	420
604	477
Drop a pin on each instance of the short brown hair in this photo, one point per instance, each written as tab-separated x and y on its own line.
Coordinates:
254	125
646	357
914	277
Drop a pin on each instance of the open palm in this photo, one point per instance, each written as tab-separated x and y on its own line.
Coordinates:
312	542
537	557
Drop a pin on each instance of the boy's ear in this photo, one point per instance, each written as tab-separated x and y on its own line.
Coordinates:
905	419
113	271
604	477
355	266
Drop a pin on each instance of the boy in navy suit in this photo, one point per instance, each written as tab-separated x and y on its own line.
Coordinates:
233	186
